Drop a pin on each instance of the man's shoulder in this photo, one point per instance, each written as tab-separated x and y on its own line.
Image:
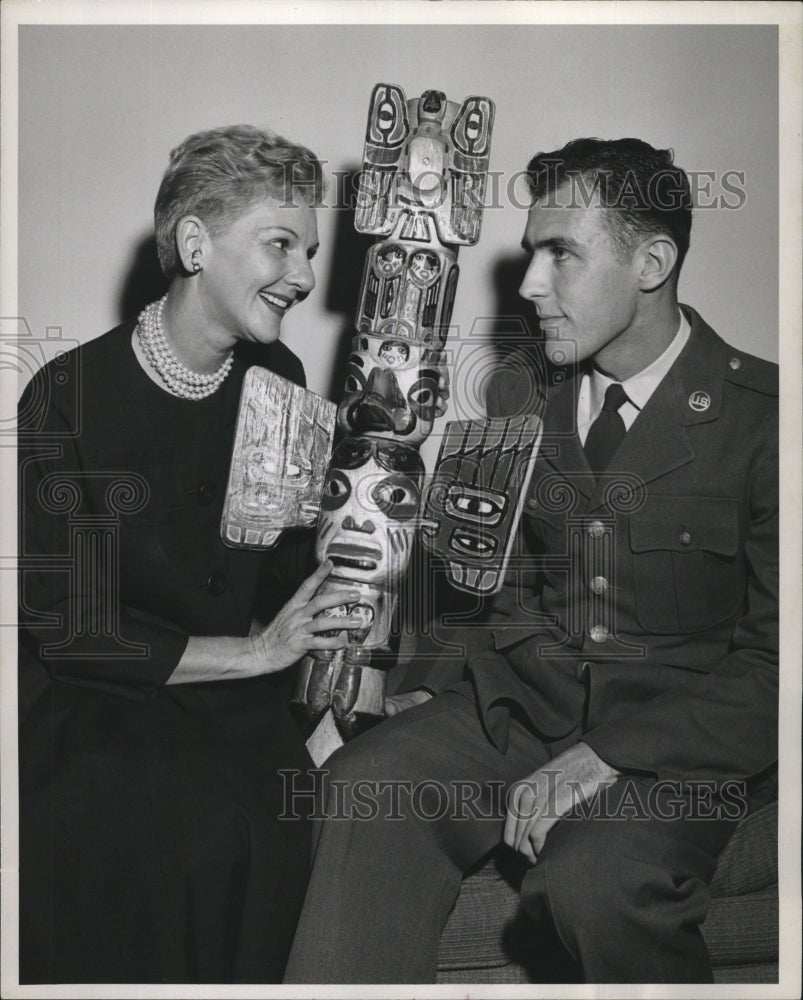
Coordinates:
739	368
750	372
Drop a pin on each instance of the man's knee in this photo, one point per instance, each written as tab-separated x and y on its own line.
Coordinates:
601	878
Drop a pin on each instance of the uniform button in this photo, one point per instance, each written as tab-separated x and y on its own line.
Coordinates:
207	493
598	633
735	364
599	585
685	538
581	670
596	529
217	583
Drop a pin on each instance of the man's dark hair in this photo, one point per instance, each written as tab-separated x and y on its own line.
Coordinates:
641	187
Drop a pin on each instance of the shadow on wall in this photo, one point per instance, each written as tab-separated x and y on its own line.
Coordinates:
345	276
144	281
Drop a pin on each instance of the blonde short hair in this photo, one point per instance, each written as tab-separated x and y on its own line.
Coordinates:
219	173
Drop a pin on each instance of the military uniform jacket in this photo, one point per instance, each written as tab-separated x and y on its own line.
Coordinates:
641	614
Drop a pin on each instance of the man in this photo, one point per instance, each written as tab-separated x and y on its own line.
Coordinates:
629	672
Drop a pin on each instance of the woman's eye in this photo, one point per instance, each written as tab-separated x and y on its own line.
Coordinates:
279	243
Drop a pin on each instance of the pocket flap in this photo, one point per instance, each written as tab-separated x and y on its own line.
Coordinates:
686	524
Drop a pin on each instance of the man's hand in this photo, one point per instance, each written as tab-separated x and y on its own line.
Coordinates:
538	802
399	702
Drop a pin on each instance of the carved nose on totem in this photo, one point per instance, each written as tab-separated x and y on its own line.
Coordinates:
367	527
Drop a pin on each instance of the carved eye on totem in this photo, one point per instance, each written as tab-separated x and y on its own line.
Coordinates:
396	496
336	490
355	374
399	458
423	394
467	503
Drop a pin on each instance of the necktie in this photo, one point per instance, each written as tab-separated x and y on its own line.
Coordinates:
607	431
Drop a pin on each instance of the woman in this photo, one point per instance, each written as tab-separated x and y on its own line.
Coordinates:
159	843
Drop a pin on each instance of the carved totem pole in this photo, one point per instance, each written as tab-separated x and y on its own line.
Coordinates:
421	193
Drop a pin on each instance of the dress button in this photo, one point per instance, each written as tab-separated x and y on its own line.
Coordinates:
599	585
735	364
217	583
532	503
685	538
598	633
581	670
596	529
206	493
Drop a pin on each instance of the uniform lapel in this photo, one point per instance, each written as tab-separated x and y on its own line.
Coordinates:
658	441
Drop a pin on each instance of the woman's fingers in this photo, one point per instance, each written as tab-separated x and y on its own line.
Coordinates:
307	590
326	641
328	623
331	599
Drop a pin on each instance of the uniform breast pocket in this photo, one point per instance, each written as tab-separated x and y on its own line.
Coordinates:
688	568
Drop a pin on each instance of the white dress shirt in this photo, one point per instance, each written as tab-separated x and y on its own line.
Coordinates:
639	387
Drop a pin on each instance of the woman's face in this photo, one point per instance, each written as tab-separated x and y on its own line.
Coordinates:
257	269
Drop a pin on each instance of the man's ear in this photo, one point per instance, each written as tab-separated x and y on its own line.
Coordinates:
191	242
658	257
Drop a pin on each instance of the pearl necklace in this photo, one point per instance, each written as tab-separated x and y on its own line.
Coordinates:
179	379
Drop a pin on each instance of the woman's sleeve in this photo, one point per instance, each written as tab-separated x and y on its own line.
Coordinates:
71	617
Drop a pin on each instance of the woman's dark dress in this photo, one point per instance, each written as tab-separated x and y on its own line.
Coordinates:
150	839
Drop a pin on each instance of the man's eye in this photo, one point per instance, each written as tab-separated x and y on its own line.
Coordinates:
559	253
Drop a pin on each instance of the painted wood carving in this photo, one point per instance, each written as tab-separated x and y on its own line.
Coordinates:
421	194
282	445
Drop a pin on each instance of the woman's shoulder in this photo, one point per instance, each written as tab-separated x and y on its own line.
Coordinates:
63	384
277	357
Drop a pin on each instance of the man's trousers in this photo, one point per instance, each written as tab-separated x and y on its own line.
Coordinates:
417	801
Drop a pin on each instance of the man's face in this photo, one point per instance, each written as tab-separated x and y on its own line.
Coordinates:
585	295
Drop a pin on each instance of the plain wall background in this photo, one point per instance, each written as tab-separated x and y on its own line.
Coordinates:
101	106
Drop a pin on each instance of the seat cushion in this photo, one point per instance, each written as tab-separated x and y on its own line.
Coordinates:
474	935
749	861
741	928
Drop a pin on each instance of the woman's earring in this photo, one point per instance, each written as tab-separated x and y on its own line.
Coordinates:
196	261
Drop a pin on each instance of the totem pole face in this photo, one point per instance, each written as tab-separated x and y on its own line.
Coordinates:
408	293
474	500
369	511
391	390
425	166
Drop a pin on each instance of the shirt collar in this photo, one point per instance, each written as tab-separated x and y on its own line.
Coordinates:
642	385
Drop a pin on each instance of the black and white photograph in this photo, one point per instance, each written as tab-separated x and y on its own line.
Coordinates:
400	560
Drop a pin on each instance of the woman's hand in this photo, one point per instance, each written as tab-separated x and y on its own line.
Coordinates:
295	630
